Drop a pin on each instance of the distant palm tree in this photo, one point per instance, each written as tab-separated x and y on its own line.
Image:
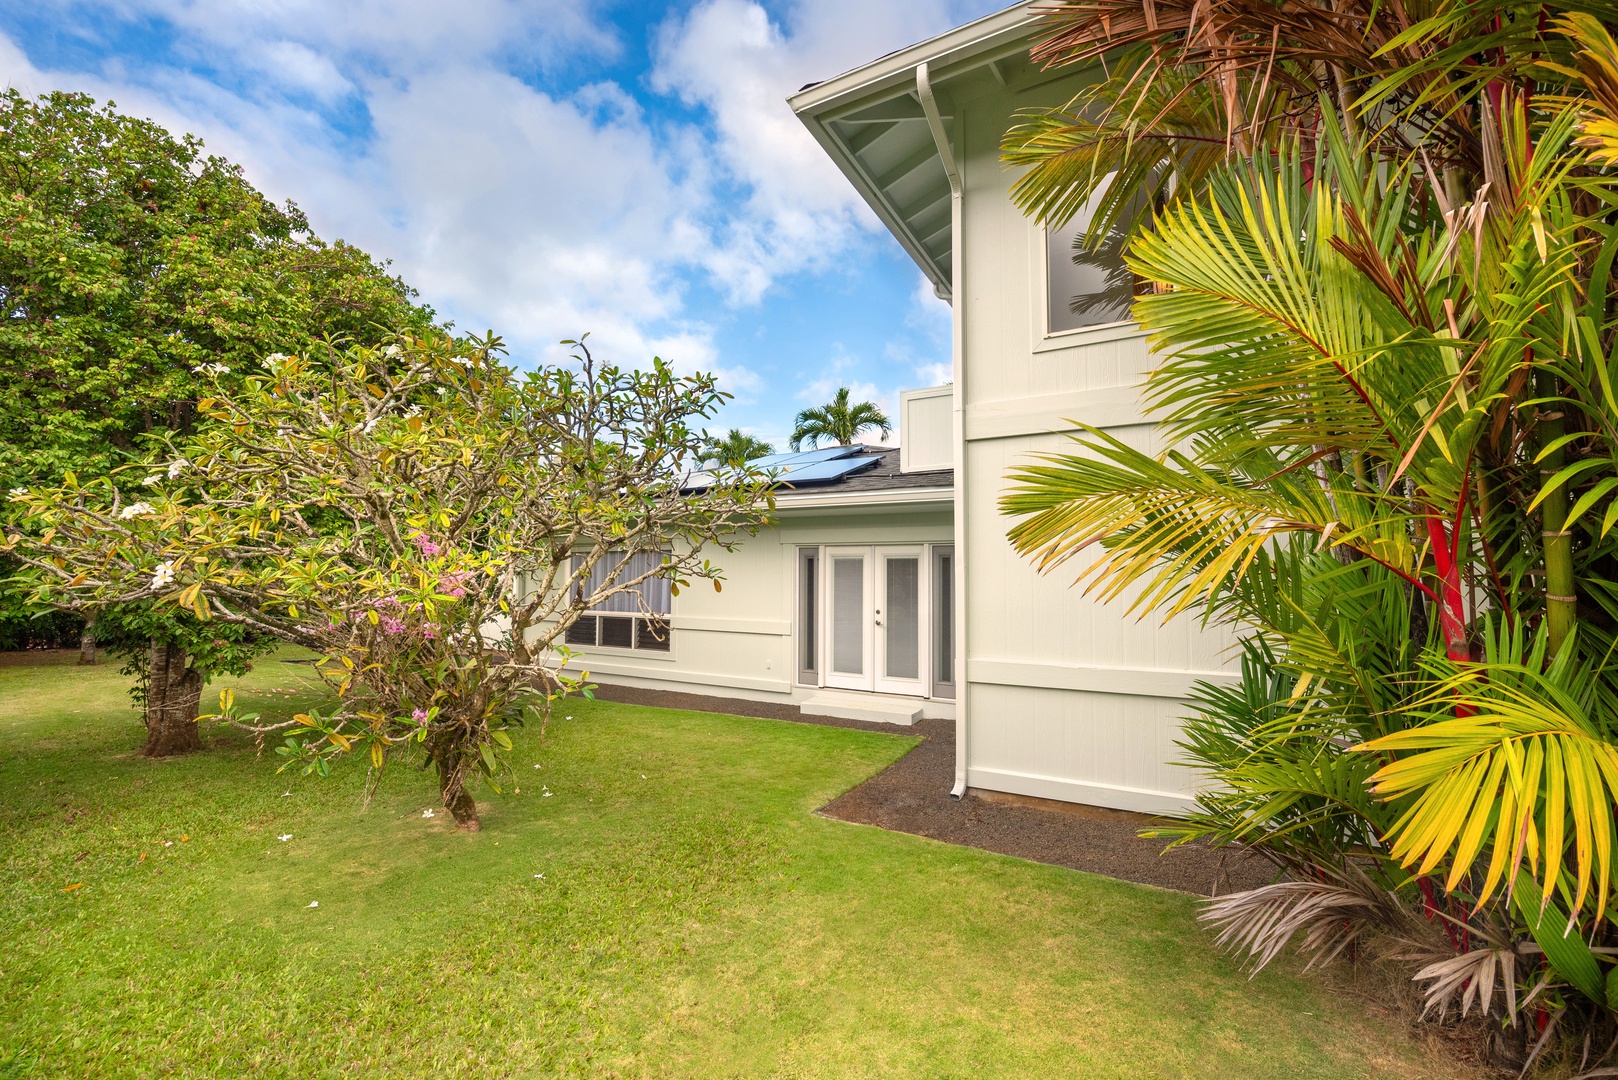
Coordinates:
736	449
839	422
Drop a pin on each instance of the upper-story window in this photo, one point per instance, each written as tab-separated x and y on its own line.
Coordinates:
636	618
1086	285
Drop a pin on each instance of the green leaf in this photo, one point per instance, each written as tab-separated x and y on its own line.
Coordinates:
1568	953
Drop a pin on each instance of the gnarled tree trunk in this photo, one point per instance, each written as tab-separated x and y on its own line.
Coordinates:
451	786
87	642
173	700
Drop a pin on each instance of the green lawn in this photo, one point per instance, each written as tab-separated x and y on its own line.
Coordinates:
694	918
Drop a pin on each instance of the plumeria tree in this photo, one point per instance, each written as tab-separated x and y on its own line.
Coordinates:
426	517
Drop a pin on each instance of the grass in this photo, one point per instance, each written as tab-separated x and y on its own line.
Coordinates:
694	918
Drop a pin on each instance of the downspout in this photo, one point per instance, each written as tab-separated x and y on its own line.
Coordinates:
935	123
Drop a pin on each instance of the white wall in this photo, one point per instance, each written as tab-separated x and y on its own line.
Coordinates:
738	642
1066	697
926	439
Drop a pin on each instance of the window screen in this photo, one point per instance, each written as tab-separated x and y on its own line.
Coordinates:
943	622
809	616
656	592
1087	285
636	618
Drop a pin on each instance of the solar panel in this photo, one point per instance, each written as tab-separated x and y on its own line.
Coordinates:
821	472
803	457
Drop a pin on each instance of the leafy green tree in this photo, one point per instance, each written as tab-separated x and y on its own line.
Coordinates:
1384	323
134	270
838	422
736	449
135	273
425	516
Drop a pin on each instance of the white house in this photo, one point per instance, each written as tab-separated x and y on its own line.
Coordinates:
1053	694
845	608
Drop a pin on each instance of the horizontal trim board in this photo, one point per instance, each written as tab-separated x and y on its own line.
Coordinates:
679	675
1129	681
1115	797
1108	407
712	625
944	497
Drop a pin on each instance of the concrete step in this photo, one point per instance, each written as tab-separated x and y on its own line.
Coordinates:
874	710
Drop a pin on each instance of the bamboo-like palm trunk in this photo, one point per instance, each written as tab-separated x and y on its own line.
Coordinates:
1561	600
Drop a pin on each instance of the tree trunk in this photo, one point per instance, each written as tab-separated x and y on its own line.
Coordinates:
87	643
1561	599
173	700
457	800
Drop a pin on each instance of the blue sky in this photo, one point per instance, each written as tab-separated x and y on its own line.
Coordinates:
554	166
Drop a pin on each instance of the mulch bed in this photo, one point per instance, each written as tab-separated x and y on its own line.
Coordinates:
912	796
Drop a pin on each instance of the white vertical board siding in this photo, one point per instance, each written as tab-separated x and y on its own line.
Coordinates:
1067	697
739	642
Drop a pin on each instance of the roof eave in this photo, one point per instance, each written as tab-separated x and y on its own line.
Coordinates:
946	55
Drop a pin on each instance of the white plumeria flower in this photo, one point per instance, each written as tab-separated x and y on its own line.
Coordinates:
427	813
18	492
134	510
284	837
392	350
153	480
275	358
163	574
178	466
210	369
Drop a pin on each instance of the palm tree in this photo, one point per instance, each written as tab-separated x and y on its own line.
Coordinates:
1383	340
736	449
838	422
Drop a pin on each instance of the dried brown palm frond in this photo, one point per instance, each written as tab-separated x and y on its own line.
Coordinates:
1471	977
1332	914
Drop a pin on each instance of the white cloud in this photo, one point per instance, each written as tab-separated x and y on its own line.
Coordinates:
729	57
416	129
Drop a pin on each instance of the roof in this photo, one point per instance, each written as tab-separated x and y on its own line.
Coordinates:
883	476
870	121
837	475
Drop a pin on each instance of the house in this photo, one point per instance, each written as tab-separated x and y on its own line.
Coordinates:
845	608
1054	694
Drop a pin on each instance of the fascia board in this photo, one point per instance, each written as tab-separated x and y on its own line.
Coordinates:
963	45
943	498
896	73
866	186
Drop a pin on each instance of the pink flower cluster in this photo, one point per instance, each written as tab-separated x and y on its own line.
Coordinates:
454	584
425	543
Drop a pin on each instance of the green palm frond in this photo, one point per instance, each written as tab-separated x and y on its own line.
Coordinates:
838	422
1506	762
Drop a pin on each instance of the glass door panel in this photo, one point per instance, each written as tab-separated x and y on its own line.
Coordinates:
900	618
849	655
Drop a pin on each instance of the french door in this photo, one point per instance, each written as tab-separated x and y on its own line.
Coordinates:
876	625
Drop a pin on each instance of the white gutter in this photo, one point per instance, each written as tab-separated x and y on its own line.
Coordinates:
957	310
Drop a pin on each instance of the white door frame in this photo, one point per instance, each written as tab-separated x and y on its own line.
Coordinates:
886	683
864	678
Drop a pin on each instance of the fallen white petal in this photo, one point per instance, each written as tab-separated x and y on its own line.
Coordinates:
427	813
314	903
168	843
284	837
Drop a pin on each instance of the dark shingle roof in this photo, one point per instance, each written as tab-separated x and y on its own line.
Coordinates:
884	476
